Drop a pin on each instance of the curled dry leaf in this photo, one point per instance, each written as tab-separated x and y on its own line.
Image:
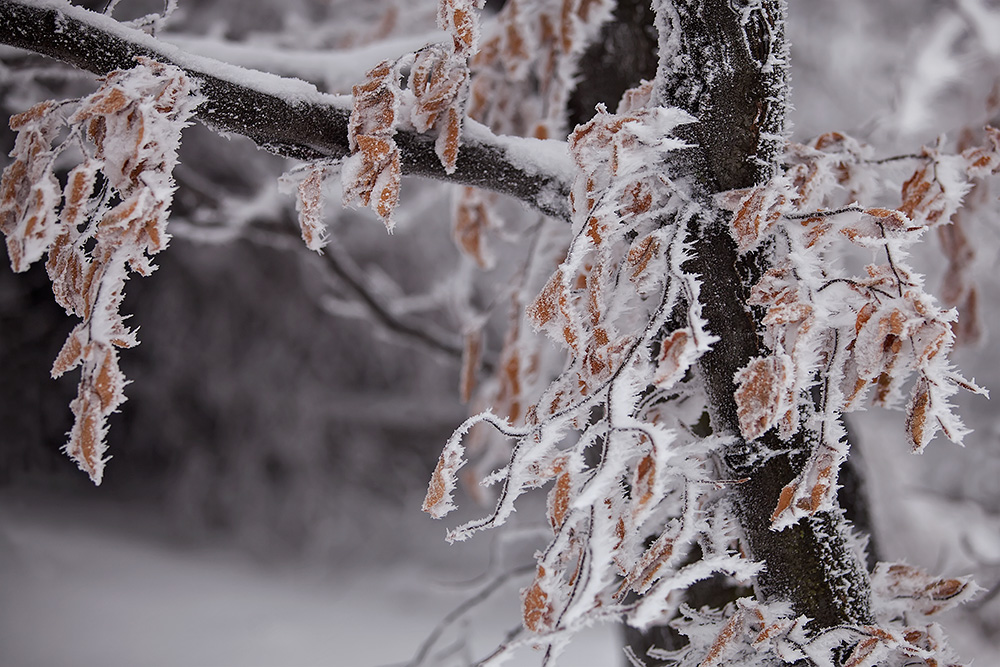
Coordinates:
472	219
309	203
29	191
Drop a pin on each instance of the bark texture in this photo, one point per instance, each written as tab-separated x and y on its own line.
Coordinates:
718	67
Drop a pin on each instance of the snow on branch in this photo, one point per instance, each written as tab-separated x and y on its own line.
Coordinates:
287	116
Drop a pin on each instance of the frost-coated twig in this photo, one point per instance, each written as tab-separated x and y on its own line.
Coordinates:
339	264
464	608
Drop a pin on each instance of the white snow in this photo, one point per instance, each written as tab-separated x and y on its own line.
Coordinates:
91	586
336	70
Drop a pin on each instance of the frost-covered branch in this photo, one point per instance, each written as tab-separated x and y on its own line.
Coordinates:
286	116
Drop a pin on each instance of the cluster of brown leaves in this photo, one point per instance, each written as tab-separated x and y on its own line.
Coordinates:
434	100
521	79
372	174
523	74
857	336
907	592
128	131
750	633
617	259
615	277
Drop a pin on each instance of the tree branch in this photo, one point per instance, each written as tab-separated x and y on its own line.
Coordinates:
286	116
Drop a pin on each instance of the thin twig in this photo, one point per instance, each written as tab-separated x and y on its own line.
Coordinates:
464	608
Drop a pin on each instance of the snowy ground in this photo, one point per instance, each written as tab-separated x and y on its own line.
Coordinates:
98	584
113	592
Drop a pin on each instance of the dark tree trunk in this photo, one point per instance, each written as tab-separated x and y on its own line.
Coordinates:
718	74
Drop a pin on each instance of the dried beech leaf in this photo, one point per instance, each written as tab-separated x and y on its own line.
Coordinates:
309	203
919	591
559	496
537	608
757	212
918	429
674	359
763	394
472	219
471	351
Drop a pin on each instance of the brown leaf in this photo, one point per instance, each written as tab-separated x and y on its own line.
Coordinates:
33	115
763	394
438	501
729	634
71	354
646	571
756	214
559	497
916	415
645	479
863	650
537	609
310	207
472	219
550	303
669	366
784	500
640	254
471	351
107	379
86	440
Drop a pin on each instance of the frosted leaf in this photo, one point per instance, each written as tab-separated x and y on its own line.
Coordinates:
438	501
537	602
764	394
460	19
372	174
755	214
29	192
904	588
309	204
677	354
473	218
128	131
